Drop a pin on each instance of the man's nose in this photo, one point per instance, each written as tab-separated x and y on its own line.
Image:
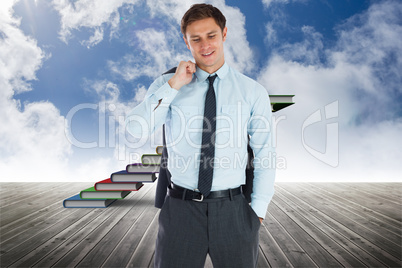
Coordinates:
204	44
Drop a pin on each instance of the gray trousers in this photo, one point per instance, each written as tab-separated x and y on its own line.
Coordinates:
226	229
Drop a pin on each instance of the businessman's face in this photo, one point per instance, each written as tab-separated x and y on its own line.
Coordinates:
204	38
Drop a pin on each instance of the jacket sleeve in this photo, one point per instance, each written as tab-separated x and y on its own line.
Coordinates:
164	177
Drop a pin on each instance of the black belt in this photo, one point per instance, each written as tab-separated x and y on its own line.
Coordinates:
186	194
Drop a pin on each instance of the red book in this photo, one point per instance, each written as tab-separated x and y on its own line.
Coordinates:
108	185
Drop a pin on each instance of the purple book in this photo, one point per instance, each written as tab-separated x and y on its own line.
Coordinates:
124	176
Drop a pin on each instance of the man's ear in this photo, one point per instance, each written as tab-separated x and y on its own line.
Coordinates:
224	32
185	41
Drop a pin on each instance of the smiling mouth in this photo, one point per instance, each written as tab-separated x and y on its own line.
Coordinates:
207	54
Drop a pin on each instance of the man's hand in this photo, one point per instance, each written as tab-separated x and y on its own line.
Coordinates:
183	75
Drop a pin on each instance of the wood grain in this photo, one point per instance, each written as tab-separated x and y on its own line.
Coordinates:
307	225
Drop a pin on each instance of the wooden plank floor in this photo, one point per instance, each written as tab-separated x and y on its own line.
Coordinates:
307	225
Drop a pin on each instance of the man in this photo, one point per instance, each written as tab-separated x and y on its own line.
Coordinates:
205	211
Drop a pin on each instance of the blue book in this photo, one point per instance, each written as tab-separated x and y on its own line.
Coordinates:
76	202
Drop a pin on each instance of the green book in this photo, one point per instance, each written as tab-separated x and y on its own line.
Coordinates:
91	193
279	102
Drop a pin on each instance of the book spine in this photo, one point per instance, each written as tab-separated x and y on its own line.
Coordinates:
159	150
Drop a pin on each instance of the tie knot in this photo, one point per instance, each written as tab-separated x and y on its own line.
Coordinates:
212	79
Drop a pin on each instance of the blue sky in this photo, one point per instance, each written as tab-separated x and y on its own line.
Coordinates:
70	70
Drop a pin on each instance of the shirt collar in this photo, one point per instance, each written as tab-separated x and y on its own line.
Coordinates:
203	75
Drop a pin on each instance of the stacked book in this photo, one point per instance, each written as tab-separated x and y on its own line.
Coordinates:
119	185
279	102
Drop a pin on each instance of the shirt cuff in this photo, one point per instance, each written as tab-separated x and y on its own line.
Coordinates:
166	93
259	207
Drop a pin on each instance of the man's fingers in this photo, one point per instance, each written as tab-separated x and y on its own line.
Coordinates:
183	75
191	66
187	66
191	69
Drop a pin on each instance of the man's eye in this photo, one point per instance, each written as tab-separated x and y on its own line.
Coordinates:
196	40
211	36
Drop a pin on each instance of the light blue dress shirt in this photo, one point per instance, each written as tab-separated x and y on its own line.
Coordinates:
243	108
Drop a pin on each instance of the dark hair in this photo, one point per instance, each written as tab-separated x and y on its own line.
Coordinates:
202	11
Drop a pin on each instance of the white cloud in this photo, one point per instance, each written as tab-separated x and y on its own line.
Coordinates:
158	53
32	134
20	57
91	14
173	9
309	51
237	49
95	39
33	145
362	73
271	37
267	3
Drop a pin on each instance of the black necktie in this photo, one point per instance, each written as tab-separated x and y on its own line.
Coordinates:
208	141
